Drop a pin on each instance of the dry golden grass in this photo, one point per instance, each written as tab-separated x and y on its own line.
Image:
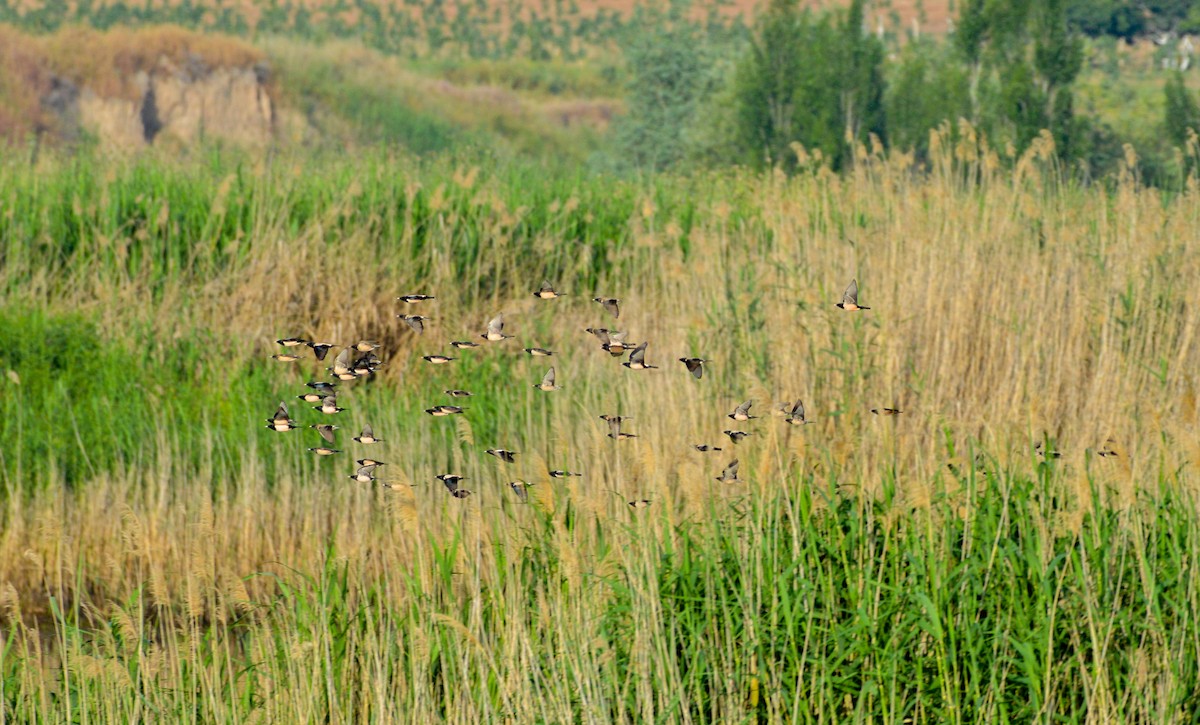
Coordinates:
1002	310
1006	307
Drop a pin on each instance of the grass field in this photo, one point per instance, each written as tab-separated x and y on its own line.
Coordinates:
164	557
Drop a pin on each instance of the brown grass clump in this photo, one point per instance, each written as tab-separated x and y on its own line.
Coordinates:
24	79
107	61
104	62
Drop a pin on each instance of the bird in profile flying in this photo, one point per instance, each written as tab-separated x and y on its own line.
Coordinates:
850	298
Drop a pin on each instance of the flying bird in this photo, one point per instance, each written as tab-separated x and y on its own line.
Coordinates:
292	341
617	345
364	474
637	359
599	333
612	304
705	448
614	427
547	292
367	437
325	430
366	345
547	383
639	503
286	357
886	411
463	344
737	436
341	364
320	349
495	329
323	451
410	299
439	411
850	298
437	359
742	412
729	475
321	386
312	397
519	488
506	456
416	322
451	481
796	415
563	474
369	462
538	352
329	405
281	421
1044	453
458	393
695	365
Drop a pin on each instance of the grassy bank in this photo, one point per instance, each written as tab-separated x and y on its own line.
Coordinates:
163	555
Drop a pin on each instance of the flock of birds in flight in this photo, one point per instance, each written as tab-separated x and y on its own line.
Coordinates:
359	361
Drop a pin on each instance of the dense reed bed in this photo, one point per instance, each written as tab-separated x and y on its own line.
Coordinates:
163	556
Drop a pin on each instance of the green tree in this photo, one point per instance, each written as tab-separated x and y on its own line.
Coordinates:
928	85
810	81
669	78
1180	113
1023	60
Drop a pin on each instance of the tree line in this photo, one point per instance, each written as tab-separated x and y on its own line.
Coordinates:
800	84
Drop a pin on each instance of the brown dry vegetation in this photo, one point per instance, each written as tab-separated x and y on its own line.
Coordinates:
997	316
1006	306
105	62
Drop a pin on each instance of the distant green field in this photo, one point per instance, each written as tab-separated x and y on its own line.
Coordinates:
164	556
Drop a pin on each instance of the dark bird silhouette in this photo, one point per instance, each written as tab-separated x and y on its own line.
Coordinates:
325	430
611	304
320	349
416	322
737	436
451	482
695	365
502	454
796	415
519	488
